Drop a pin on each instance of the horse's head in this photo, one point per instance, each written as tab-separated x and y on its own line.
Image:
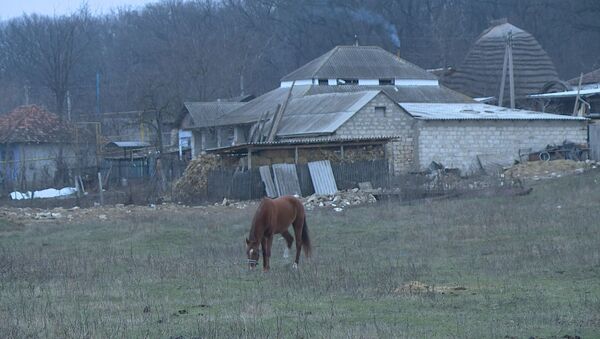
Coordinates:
252	252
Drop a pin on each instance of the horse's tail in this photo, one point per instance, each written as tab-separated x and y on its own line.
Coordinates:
306	239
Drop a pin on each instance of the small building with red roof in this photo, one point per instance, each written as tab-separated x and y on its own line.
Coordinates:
37	149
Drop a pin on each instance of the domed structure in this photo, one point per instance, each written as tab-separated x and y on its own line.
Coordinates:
480	74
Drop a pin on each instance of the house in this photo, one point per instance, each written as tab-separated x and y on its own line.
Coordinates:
563	101
39	150
487	61
197	130
359	102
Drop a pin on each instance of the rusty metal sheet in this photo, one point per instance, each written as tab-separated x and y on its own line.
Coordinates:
265	176
286	179
322	177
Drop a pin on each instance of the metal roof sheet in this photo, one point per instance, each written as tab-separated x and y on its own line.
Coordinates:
332	139
129	144
207	113
477	111
359	62
400	93
322	113
566	94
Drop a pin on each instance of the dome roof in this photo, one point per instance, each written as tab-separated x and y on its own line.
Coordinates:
481	71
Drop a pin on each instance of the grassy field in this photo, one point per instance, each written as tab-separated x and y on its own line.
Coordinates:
495	267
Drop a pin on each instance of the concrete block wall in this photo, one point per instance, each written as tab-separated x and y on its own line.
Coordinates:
456	144
369	123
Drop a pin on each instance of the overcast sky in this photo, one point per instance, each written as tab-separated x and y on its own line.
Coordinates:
13	8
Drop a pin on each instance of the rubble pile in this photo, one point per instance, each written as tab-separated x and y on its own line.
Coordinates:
340	199
195	178
536	170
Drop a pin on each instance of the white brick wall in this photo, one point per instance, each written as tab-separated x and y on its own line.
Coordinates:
456	144
367	123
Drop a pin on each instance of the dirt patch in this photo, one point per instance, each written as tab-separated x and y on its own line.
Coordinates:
536	170
417	287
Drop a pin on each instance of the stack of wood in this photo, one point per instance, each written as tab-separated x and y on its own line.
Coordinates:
192	185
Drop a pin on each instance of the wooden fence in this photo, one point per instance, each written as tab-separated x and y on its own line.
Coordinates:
247	185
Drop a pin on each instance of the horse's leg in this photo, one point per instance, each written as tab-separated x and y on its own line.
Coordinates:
289	240
265	254
298	224
267	243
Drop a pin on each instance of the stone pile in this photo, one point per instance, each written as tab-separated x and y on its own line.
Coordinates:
340	199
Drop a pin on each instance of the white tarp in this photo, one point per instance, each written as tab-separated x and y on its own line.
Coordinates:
47	193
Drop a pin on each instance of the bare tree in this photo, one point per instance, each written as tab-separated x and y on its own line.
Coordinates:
45	50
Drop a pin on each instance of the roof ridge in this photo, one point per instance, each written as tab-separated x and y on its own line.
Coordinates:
331	53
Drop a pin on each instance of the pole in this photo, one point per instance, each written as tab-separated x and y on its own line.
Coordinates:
504	66
69	105
511	74
97	92
577	97
100	188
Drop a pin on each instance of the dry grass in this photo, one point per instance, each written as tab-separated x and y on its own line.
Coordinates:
526	266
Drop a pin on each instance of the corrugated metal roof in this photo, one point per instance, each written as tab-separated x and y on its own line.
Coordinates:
359	62
400	93
432	111
207	113
253	110
321	114
306	141
592	77
129	144
286	179
322	177
265	176
567	94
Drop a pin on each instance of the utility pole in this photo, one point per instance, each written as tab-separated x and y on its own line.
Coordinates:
97	92
508	64
69	105
577	97
26	89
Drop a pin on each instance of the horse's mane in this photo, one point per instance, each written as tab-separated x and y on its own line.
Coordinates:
259	213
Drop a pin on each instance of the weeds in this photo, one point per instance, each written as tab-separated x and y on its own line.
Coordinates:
525	267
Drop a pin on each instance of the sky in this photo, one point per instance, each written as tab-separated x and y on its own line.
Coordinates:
14	8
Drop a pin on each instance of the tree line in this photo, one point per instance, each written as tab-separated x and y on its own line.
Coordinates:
158	56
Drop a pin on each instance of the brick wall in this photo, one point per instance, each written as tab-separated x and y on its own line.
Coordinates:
369	122
456	144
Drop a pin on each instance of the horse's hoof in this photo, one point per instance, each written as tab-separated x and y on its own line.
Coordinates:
265	270
286	253
295	266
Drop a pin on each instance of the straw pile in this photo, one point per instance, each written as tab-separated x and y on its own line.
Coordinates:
192	185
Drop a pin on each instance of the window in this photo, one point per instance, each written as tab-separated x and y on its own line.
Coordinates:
386	82
347	81
380	111
323	82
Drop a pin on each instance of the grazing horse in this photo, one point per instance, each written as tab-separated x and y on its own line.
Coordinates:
274	216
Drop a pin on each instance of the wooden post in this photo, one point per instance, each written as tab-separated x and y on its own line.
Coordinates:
296	155
577	97
511	73
504	66
342	151
100	188
249	158
77	188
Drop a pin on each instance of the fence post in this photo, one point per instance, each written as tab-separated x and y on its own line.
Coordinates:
100	188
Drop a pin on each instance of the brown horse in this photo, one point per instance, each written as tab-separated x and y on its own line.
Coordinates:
274	216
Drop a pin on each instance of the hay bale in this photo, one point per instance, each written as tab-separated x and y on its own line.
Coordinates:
192	185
